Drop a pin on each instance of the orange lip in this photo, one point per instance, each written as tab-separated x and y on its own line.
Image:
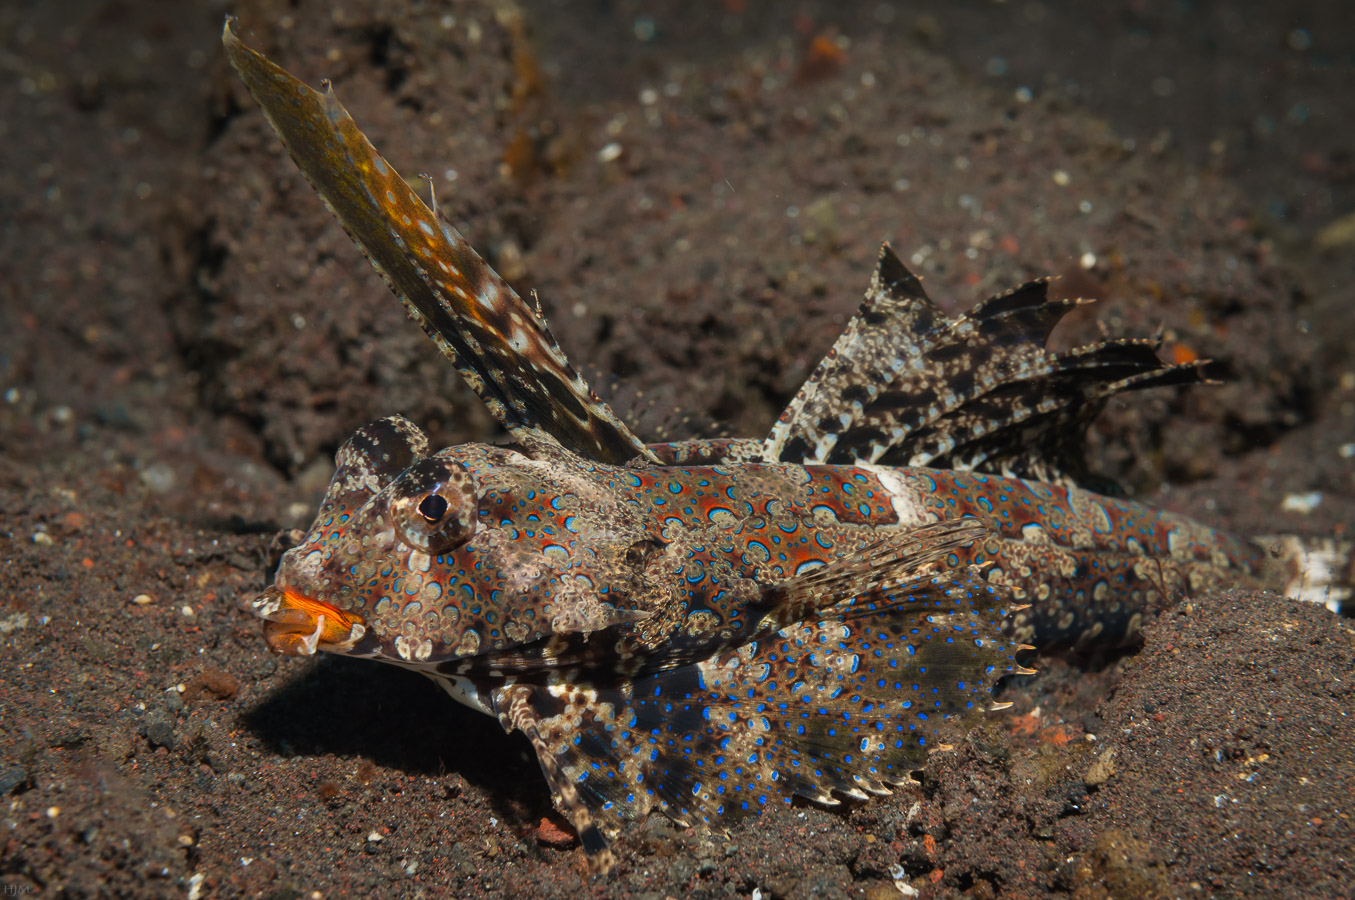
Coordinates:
299	626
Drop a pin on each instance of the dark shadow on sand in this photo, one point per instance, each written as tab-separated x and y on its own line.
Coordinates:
399	720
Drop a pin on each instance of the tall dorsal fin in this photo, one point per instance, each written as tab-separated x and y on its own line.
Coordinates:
500	344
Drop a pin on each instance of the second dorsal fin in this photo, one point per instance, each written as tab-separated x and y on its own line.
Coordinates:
908	385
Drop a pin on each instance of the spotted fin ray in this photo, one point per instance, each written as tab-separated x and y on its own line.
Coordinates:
500	345
1034	426
908	385
844	703
894	325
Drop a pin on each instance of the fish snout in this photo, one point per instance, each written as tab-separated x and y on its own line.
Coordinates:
297	625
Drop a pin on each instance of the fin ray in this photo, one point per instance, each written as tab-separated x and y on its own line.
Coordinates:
500	344
977	391
847	702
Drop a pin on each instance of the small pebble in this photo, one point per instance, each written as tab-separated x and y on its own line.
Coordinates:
142	600
552	835
1302	503
158	477
159	729
1101	769
42	539
13	780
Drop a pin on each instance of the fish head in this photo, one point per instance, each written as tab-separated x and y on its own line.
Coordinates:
421	559
316	601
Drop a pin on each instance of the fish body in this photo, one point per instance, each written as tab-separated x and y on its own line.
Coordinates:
712	627
706	640
675	626
551	543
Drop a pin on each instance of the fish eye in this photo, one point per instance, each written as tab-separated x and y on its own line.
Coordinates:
433	507
639	553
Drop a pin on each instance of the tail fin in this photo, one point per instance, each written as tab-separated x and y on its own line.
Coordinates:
908	385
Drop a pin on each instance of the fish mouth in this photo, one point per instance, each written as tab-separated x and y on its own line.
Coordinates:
297	625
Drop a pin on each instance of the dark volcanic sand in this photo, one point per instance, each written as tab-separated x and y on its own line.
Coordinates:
185	337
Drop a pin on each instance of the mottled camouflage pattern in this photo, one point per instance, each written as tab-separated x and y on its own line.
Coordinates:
696	639
713	627
906	385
